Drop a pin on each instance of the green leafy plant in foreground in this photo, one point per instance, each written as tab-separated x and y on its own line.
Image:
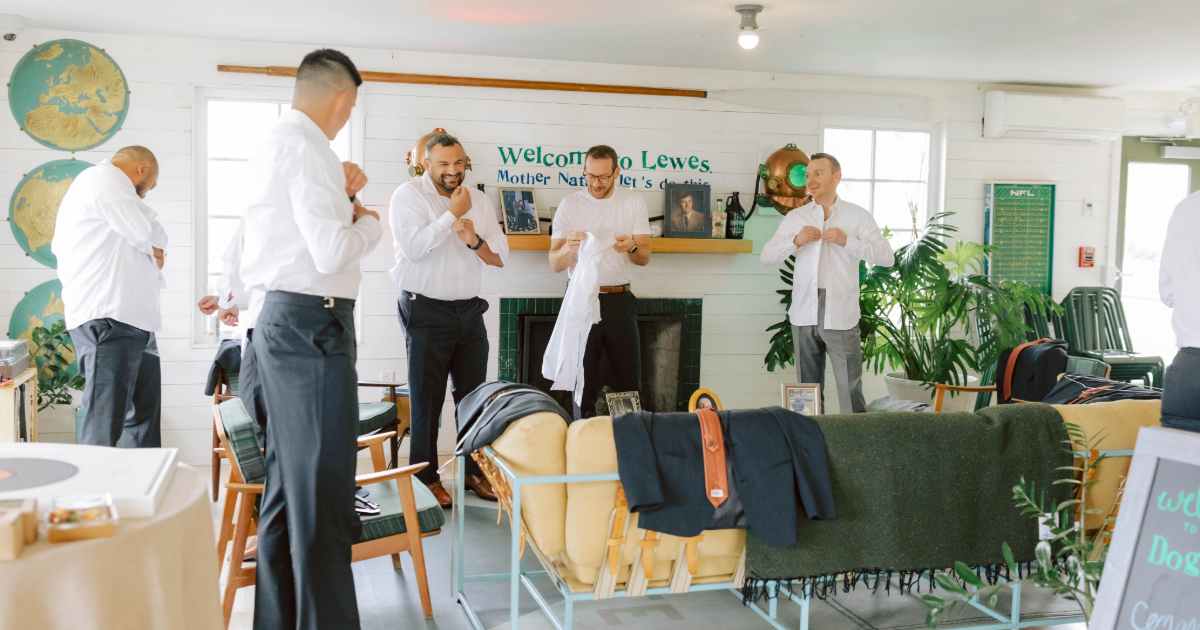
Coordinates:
53	356
1073	571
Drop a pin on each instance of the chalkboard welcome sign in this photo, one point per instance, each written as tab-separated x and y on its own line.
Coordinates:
1151	580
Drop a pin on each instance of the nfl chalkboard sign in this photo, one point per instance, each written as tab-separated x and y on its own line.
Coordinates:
1151	579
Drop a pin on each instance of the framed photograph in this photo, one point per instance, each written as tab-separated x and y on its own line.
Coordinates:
520	211
704	399
803	398
623	402
688	213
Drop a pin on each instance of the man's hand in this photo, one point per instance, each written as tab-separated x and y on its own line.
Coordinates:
160	257
573	241
624	244
835	236
355	178
460	202
207	304
466	231
807	235
360	212
228	316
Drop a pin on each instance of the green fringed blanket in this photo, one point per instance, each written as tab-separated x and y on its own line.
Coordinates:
914	493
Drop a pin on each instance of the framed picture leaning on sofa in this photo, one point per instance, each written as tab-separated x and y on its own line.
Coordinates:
803	398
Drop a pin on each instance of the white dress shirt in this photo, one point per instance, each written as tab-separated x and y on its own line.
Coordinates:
621	214
104	240
826	265
431	260
230	288
563	361
1179	271
300	230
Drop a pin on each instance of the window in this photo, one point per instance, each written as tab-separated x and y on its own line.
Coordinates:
230	125
887	172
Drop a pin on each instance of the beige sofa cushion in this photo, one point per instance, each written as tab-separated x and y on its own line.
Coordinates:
535	446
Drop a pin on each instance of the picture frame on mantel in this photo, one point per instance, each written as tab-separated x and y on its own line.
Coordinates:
688	211
520	211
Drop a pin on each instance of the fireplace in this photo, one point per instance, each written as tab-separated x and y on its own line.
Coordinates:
670	337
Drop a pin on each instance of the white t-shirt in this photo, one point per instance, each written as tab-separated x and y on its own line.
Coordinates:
622	214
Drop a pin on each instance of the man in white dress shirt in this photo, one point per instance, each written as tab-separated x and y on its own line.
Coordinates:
445	232
829	236
109	247
1179	287
305	239
609	213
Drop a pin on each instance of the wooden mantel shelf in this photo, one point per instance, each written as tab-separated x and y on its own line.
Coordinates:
535	242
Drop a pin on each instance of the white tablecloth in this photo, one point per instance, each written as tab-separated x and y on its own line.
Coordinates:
158	572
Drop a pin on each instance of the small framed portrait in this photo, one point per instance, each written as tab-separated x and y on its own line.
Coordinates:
623	402
520	211
687	213
704	399
803	398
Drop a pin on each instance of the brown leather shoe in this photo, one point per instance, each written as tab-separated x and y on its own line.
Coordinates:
439	493
481	487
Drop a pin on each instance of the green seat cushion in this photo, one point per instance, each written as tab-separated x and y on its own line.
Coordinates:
390	520
239	431
373	416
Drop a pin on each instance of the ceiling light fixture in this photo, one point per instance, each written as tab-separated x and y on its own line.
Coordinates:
748	31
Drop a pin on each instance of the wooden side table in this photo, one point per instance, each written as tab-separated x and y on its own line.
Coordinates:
12	428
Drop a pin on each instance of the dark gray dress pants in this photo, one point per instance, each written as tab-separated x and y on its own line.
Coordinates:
250	389
123	389
443	338
812	343
617	338
1181	392
305	356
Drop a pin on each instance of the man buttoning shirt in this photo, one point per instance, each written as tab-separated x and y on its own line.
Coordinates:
305	240
828	236
445	233
109	247
609	213
1179	286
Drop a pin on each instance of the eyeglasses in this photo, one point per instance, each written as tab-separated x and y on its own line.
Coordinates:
603	179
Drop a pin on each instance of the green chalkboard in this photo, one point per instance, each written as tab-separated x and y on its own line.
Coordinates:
1019	224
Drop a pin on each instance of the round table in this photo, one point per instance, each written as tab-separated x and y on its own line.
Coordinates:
158	572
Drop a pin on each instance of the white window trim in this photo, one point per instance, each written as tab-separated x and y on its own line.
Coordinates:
203	96
936	188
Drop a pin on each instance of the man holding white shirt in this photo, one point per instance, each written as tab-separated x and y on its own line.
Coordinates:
445	233
109	245
829	236
306	236
609	213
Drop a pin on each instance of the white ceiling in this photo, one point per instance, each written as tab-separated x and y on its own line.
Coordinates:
1151	44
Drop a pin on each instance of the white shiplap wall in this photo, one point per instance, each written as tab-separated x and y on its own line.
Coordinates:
739	298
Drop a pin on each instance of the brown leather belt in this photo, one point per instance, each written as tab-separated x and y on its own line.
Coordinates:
1012	365
716	482
620	288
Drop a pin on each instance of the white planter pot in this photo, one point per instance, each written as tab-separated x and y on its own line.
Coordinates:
904	389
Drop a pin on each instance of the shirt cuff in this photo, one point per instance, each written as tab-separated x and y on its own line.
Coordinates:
852	244
445	221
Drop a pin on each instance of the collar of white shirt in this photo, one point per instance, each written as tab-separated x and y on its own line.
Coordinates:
425	183
306	125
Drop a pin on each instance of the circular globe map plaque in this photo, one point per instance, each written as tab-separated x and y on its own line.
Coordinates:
68	95
34	206
42	306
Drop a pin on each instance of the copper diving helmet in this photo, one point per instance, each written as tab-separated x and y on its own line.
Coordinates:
415	157
785	176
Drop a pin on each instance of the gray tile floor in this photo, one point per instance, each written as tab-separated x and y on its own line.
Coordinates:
388	599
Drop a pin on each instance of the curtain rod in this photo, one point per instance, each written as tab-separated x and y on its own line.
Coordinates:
432	79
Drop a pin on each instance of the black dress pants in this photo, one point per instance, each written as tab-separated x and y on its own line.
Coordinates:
1181	392
123	388
305	355
443	338
617	337
250	389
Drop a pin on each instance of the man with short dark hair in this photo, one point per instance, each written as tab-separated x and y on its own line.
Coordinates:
829	236
305	237
109	245
445	234
614	214
687	218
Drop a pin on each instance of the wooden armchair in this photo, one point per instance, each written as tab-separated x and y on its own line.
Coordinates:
408	510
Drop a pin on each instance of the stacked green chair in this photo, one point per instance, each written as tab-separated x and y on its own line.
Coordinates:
1095	326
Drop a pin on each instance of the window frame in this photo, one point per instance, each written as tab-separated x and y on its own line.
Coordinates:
204	96
934	187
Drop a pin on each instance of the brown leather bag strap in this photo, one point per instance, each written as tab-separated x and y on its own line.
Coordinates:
1012	364
716	481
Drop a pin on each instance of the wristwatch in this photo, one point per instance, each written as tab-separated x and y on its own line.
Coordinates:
353	199
477	245
633	250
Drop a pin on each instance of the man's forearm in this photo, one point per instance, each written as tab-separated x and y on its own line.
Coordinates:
562	258
488	256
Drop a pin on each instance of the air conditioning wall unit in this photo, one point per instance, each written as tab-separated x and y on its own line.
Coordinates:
1052	116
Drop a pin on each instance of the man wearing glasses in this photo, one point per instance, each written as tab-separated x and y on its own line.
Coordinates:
606	212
